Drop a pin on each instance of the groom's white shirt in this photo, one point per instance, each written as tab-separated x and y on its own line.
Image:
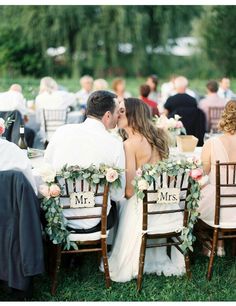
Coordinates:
85	144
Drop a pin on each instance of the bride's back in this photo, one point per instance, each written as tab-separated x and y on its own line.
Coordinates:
144	153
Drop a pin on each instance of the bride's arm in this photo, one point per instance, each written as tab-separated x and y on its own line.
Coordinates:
130	168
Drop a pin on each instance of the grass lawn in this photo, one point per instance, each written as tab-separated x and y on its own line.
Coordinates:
31	85
86	283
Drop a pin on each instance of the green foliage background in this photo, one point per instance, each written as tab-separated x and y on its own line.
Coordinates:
91	35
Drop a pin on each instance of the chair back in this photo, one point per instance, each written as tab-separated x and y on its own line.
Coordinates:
225	182
151	207
13	132
81	186
52	119
214	114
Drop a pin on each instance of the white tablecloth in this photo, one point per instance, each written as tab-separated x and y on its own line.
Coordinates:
174	151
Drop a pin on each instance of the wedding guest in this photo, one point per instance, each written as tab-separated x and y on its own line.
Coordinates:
90	143
181	99
224	90
212	99
222	148
144	94
12	100
13	158
50	97
118	86
83	94
144	144
152	82
100	84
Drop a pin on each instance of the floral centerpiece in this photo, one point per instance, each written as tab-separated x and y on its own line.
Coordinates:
51	191
172	125
149	173
4	124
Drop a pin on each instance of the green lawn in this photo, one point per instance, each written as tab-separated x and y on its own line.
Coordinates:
86	283
31	85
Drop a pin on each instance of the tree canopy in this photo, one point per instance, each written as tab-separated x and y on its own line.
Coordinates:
112	40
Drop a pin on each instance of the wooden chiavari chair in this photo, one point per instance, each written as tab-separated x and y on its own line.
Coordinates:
210	235
173	236
86	242
214	114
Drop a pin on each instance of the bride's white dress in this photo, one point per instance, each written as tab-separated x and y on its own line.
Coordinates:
124	257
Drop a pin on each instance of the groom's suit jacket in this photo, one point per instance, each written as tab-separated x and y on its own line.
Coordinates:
85	144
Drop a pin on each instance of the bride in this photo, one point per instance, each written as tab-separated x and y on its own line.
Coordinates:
143	144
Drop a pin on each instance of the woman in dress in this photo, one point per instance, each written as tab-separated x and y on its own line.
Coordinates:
144	144
222	148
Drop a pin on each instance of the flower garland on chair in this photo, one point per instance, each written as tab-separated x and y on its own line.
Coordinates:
148	174
51	190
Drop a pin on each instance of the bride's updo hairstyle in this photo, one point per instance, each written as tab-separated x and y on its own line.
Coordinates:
227	121
139	119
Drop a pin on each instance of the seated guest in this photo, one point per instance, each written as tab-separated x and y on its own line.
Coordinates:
83	94
12	100
50	97
100	84
152	82
181	99
90	143
13	158
144	94
212	99
224	90
222	148
185	106
118	86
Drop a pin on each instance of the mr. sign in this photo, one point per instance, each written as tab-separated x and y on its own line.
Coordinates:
82	199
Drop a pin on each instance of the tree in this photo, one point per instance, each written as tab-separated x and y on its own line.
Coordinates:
219	40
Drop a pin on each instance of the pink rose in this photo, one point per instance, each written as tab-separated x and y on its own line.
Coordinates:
2	126
139	172
179	125
44	190
196	174
54	190
111	175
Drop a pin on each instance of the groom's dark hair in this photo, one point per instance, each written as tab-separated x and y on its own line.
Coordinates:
99	102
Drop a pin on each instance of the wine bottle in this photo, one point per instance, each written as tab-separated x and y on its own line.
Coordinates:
22	142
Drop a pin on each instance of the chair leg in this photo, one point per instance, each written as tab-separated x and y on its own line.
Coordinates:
187	265
105	263
56	268
213	252
233	250
141	262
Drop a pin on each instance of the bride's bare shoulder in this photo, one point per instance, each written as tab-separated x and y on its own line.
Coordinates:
134	141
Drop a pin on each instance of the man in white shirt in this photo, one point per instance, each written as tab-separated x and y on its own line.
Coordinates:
13	158
13	100
90	143
224	90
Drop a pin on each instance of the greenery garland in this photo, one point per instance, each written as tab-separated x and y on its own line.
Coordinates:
149	173
51	190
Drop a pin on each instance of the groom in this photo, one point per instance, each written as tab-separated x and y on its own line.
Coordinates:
91	143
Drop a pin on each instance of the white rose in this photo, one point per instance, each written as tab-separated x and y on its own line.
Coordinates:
111	175
177	117
2	121
172	123
142	184
190	160
47	173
